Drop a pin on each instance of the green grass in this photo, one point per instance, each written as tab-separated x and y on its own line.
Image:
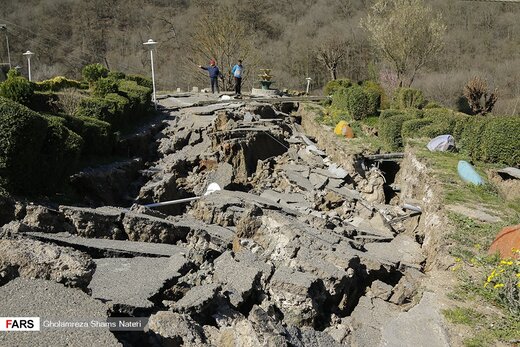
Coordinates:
460	315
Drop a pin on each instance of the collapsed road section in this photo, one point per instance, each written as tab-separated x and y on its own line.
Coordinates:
295	250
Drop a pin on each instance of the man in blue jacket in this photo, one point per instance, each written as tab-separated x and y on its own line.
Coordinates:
214	74
237	72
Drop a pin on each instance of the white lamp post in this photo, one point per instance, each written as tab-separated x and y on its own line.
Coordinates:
29	54
308	85
3	27
151	44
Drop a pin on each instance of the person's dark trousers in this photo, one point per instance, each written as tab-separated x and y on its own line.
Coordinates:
214	84
238	85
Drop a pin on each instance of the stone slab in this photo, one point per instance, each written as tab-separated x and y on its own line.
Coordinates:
131	282
422	325
117	247
52	301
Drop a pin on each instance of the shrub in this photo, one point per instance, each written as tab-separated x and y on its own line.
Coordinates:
140	80
116	75
380	100
140	97
476	93
501	141
332	86
104	86
91	73
471	135
22	133
69	100
59	154
12	73
122	103
358	102
18	89
44	102
408	98
98	108
36	153
390	130
444	121
97	135
432	104
393	112
56	84
412	128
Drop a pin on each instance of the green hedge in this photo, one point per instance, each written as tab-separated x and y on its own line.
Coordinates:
36	153
489	139
501	141
333	86
18	89
357	101
97	135
22	133
59	154
408	98
43	102
98	108
390	130
56	84
104	86
93	72
140	80
140	97
412	128
443	121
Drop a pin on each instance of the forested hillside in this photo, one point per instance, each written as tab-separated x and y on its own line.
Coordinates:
482	38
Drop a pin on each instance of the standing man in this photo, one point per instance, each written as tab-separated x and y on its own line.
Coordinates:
237	71
214	74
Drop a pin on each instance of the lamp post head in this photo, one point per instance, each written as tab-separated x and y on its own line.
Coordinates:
28	54
309	79
150	43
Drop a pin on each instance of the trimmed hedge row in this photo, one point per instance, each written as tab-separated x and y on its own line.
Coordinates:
36	153
56	84
490	139
390	130
359	101
97	135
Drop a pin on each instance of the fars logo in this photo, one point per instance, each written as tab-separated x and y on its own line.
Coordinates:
19	323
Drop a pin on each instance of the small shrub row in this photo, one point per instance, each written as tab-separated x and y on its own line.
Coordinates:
491	139
56	84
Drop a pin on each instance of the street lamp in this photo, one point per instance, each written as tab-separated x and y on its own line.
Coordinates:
308	85
151	44
3	27
29	54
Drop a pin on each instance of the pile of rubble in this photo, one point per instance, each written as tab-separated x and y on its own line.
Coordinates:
293	251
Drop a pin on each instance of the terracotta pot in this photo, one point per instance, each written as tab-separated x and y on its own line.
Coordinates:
507	240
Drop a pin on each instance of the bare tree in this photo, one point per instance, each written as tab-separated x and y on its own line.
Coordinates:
480	101
331	52
223	36
406	33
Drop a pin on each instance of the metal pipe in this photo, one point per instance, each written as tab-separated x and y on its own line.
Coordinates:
172	202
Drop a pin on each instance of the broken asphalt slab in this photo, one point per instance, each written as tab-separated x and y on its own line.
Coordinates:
131	282
109	247
53	302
